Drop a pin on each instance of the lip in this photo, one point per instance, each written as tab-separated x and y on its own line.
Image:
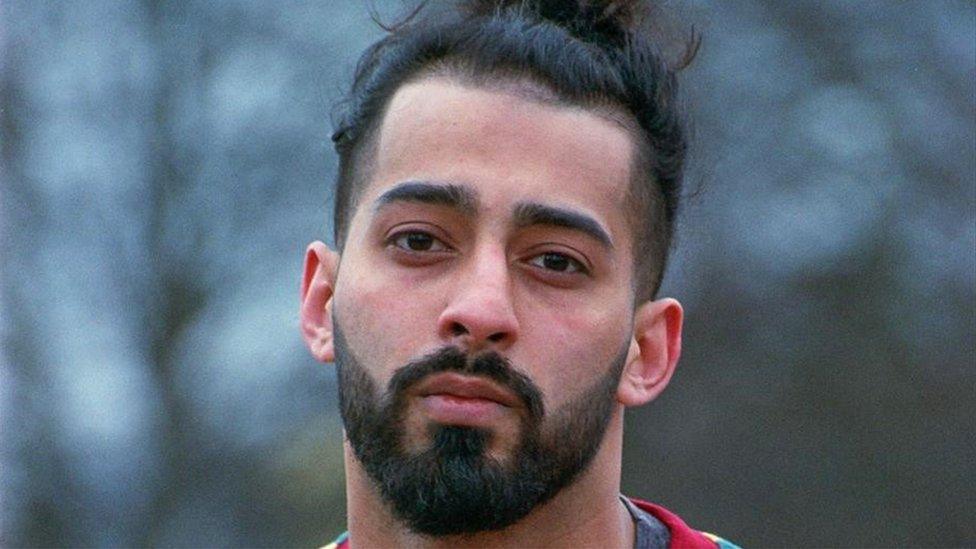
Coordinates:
467	387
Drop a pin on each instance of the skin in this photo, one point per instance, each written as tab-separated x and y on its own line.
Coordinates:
486	282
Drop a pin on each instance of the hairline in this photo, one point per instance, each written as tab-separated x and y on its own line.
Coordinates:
533	88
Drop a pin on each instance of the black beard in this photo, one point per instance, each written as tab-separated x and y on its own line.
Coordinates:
454	486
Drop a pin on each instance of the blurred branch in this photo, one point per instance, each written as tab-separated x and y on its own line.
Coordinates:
174	290
47	499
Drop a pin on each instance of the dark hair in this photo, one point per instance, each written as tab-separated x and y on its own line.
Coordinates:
595	54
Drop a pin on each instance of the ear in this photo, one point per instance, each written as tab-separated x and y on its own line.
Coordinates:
654	352
318	287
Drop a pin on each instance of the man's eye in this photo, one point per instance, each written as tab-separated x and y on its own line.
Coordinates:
416	241
561	263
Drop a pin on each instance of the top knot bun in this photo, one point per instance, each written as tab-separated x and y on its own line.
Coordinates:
588	20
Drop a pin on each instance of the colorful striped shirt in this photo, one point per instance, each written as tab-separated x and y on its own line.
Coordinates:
677	534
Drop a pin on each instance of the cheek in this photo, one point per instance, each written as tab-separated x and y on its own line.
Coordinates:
386	321
572	348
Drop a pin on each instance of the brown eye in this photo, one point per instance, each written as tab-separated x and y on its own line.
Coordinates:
417	241
560	263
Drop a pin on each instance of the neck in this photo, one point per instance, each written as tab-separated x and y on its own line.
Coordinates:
588	513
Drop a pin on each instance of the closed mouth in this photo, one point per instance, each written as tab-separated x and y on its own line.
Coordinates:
466	386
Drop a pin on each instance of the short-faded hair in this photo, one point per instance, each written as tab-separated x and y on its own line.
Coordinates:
591	54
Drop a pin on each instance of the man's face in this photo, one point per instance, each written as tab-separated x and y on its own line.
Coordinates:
483	306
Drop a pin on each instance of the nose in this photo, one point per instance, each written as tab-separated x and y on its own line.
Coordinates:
480	313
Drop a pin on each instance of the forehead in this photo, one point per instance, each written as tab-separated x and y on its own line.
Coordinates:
507	146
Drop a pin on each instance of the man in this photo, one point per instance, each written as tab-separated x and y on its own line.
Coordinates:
508	181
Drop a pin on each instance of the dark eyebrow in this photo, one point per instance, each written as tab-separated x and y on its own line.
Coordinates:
455	196
532	213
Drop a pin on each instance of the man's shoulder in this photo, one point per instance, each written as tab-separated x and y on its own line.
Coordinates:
681	534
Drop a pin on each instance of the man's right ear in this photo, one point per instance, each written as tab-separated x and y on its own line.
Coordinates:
318	288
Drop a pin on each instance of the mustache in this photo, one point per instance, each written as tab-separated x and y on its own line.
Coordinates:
490	365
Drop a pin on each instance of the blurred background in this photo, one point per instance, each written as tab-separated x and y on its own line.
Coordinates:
164	163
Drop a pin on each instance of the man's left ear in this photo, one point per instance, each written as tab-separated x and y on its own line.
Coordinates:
654	352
